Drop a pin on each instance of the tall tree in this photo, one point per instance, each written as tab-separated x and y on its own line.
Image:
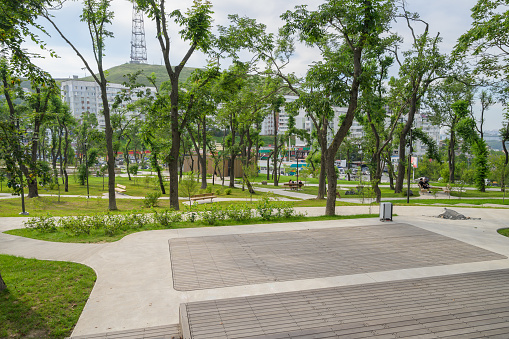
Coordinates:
440	99
97	16
466	128
421	65
196	26
343	30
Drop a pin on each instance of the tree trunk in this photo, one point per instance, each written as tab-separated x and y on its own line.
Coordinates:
112	202
66	146
377	176
159	174
174	152
204	155
332	183
3	286
321	177
452	157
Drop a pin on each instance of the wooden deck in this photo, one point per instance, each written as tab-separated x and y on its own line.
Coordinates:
471	305
234	260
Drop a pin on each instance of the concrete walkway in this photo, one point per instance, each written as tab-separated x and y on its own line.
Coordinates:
134	287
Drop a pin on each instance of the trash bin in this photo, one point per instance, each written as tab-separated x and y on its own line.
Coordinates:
385	211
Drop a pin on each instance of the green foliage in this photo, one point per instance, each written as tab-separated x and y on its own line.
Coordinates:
228	191
240	212
167	218
43	224
133	169
213	214
82	174
152	199
480	162
189	185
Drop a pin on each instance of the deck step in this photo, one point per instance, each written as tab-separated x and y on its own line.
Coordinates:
158	332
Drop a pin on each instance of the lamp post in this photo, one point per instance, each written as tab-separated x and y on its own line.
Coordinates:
23	211
297	157
409	169
86	168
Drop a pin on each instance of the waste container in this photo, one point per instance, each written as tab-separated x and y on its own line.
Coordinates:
385	211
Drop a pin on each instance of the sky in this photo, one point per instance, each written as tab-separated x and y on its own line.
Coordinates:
450	18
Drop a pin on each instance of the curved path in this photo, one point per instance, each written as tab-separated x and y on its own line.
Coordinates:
134	287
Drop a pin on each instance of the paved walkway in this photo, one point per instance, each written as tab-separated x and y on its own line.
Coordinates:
134	287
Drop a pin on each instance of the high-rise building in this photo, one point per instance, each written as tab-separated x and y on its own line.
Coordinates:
85	96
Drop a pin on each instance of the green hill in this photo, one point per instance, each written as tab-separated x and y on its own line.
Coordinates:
116	74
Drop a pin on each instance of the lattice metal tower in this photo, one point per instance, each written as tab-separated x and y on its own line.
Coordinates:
138	46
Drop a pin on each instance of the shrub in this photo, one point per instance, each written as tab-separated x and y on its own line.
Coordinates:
213	214
75	225
239	212
208	189
228	191
167	217
46	224
219	191
265	208
152	199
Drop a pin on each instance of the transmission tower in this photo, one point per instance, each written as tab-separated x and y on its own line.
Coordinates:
138	46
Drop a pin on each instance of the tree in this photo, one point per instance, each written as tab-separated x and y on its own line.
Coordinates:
466	128
97	15
422	65
487	42
343	30
440	99
196	26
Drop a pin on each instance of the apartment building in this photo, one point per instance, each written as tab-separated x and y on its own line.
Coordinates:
85	96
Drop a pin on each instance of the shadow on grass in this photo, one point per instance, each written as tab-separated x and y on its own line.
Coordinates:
18	319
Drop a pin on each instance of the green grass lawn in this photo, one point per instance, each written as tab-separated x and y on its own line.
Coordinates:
475	202
504	232
43	299
138	187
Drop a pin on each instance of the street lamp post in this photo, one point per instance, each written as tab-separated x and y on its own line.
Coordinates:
297	157
409	169
86	169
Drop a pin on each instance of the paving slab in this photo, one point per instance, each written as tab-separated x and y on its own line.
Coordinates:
245	259
454	305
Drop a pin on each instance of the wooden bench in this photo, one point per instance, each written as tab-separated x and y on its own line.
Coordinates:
293	186
120	188
203	197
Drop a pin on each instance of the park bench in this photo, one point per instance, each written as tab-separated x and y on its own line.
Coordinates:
121	188
293	186
446	190
203	197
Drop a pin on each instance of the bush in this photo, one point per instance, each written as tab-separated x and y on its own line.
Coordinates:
75	225
167	217
239	212
152	199
208	189
265	208
46	224
228	191
213	214
219	191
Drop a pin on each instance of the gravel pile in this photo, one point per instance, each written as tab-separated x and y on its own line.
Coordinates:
453	215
